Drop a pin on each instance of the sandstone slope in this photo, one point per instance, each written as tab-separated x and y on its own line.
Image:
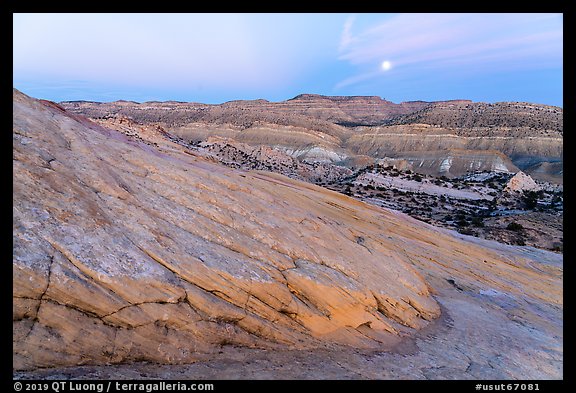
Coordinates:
129	248
160	255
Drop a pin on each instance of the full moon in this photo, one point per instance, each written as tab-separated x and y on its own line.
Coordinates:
386	65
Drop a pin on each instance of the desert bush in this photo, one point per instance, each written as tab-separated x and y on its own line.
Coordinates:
462	223
466	231
514	226
557	246
477	222
530	198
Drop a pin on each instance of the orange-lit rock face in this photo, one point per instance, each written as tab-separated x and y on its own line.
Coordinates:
129	250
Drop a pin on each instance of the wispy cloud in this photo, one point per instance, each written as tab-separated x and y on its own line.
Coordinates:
346	38
449	43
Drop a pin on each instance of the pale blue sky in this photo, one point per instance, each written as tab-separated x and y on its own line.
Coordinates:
214	58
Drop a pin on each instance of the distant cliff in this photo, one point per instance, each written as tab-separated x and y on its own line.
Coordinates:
530	135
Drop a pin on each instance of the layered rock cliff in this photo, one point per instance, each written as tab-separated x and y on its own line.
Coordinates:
339	128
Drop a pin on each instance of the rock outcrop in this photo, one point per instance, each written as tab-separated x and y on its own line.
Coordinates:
521	182
133	248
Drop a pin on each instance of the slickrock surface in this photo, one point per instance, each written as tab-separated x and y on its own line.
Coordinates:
162	256
133	248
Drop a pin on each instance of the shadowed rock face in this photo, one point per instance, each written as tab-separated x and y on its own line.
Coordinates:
131	249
